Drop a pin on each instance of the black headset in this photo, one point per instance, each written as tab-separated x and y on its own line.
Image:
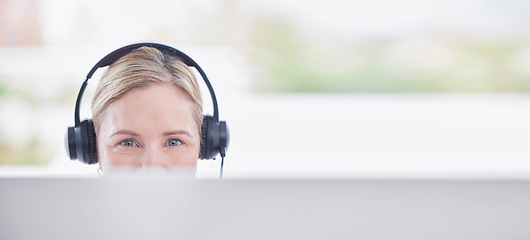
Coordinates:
80	140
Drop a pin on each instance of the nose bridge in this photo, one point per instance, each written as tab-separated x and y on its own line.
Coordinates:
151	156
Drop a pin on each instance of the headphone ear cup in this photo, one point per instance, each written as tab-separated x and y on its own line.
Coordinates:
92	145
215	138
206	139
70	143
224	138
88	143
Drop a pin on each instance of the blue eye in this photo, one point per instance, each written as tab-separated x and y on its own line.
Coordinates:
173	142
128	143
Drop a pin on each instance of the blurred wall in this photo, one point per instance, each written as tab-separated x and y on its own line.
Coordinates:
378	86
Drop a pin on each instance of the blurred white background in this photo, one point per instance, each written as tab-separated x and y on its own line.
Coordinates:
308	88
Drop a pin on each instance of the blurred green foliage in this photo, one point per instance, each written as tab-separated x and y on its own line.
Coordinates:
3	88
289	62
34	152
32	149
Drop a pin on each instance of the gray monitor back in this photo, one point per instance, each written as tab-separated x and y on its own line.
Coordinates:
169	208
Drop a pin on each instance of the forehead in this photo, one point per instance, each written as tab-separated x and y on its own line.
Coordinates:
152	108
152	93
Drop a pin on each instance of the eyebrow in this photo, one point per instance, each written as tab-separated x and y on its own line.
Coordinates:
135	134
177	132
124	132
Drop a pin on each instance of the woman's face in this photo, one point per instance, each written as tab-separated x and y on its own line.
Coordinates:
149	126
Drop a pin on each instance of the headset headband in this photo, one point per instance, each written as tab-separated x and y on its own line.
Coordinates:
118	53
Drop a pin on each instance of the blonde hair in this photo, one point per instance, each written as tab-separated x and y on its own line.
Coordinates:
143	67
